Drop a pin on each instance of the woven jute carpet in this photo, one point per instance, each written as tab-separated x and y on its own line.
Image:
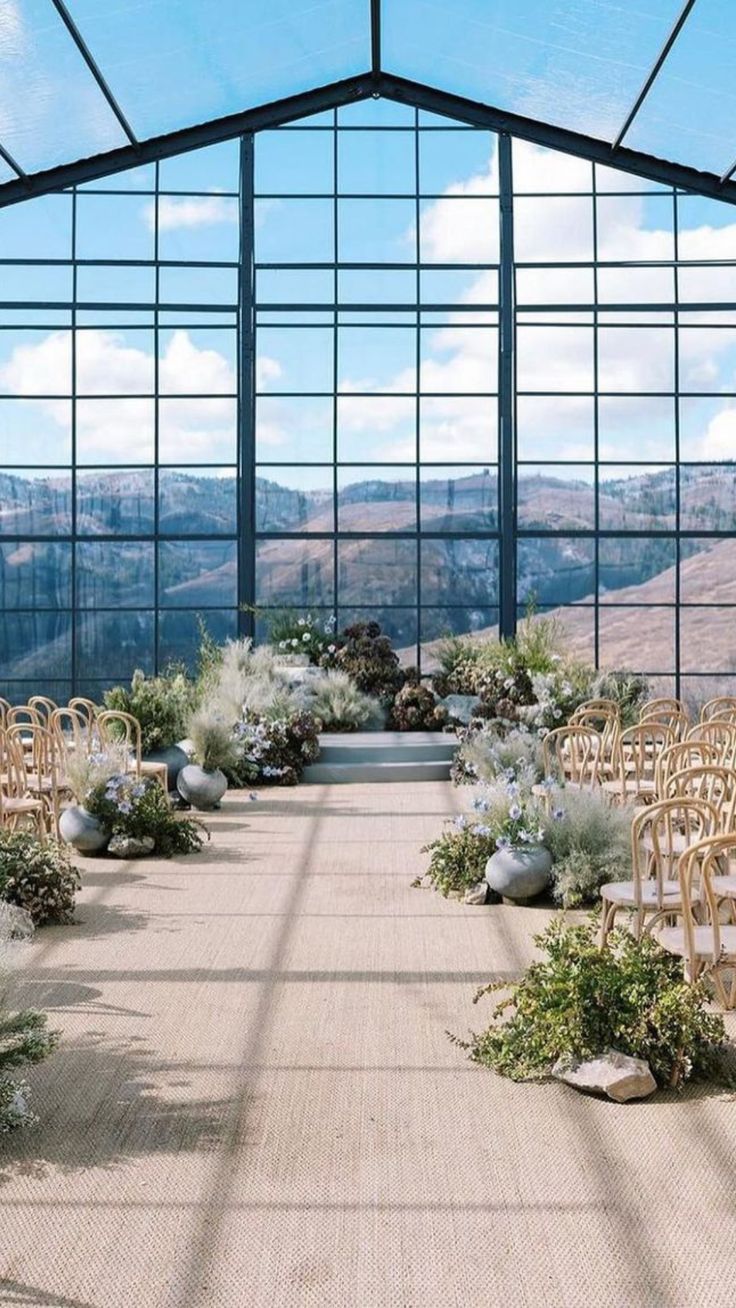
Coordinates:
255	1102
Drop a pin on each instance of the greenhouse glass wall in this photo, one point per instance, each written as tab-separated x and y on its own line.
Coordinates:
373	363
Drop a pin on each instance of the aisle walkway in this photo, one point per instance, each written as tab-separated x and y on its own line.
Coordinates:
255	1104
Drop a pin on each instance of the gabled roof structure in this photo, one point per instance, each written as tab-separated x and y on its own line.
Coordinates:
90	87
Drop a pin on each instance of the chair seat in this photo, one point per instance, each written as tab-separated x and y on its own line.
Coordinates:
673	940
680	841
25	805
724	887
623	893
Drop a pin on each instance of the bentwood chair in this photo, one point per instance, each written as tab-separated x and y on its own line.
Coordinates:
717	785
86	707
17	804
720	734
44	706
660	835
637	752
706	945
722	707
118	728
573	753
604	718
43	761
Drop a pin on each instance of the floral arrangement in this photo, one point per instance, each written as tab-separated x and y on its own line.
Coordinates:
508	812
556	695
38	876
416	709
161	704
369	659
308	635
127	806
580	1000
273	751
85	771
486	753
339	704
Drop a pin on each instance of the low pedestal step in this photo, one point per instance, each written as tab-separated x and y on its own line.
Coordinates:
381	756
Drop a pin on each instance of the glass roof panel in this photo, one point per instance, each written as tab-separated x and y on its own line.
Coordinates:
6	174
175	63
690	112
577	64
51	109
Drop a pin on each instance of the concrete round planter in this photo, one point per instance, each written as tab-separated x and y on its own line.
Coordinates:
519	873
203	790
83	831
175	759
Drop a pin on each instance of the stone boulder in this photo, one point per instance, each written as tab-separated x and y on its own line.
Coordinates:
131	846
460	708
614	1074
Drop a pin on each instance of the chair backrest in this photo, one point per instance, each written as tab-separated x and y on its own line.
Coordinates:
683	754
42	752
4	706
72	728
655	708
116	728
574	753
43	705
638	751
660	834
25	715
718	733
722	707
87	707
700	905
12	766
595	705
715	784
605	721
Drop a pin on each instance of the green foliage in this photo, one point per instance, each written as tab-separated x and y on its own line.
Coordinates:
212	740
579	1001
458	858
127	807
209	660
161	704
340	705
25	1038
416	709
590	842
627	689
367	656
38	876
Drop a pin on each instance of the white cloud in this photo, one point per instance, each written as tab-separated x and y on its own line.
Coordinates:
190	211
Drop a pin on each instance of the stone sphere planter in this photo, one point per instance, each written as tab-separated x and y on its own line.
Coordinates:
203	790
83	831
175	759
519	873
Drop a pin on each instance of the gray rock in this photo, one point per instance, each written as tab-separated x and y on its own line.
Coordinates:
614	1074
476	894
131	846
460	708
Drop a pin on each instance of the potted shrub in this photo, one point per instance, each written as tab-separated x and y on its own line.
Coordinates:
84	773
162	706
141	819
520	868
202	783
36	875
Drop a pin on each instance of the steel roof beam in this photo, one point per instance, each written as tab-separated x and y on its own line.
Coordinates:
94	68
655	70
362	87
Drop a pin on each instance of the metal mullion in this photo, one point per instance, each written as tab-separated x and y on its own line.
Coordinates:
418	386
156	433
678	516
246	508
73	479
596	433
506	397
335	365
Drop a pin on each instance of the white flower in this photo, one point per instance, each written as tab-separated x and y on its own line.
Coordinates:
301	622
306	636
295	642
331	649
557	714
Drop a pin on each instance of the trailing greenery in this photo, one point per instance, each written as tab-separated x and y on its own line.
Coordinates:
161	704
458	857
416	709
340	705
38	876
25	1038
590	842
125	806
579	1001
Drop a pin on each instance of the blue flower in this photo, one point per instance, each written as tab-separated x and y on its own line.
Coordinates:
480	804
502	842
125	806
461	822
558	814
481	830
515	812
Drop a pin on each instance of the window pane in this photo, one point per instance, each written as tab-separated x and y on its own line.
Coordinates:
119	502
377	572
294	499
113	645
36	503
636	569
555	569
197	572
197	503
460	572
459	499
556	498
35	575
641	638
637	499
115	574
35	646
377	499
180	634
294	573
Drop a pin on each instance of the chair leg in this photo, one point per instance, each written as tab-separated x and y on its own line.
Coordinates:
607	919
